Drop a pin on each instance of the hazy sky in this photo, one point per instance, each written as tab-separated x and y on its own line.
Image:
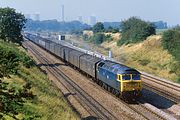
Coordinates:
104	10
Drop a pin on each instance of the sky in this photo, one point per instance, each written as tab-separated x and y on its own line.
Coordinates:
104	10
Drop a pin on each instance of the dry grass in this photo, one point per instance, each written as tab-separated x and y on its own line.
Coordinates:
115	36
146	56
88	32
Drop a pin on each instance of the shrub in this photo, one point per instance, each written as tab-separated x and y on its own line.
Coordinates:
108	38
97	38
85	37
178	80
11	58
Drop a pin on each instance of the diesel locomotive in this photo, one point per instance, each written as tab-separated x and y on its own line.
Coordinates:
119	79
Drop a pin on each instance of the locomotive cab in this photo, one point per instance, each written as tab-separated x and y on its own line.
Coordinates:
131	85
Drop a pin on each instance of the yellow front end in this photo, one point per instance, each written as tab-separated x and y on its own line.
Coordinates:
130	85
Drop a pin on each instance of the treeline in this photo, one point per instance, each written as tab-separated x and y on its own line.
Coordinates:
158	24
75	26
54	25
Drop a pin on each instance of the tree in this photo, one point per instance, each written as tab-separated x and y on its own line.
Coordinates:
98	27
112	30
171	42
11	24
135	30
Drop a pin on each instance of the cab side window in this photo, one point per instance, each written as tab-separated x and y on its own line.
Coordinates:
101	64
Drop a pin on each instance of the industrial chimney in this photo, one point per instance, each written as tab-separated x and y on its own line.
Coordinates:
62	13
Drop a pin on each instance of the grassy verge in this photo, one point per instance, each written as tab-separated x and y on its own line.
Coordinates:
29	94
48	103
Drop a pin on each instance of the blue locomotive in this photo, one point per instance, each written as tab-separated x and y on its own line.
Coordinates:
116	78
119	79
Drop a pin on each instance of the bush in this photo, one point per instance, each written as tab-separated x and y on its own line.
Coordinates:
98	38
8	61
12	98
178	80
135	30
85	37
108	38
11	58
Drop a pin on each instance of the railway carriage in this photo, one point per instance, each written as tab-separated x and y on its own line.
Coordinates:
47	45
52	47
64	53
41	43
74	58
57	48
88	64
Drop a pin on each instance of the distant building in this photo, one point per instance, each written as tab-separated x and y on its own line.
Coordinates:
62	12
33	16
28	16
61	37
80	19
92	20
37	17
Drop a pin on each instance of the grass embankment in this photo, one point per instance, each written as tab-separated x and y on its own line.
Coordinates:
147	56
39	99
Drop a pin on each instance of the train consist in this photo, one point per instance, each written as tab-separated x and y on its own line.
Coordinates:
119	79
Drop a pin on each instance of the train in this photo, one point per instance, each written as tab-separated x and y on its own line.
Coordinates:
119	79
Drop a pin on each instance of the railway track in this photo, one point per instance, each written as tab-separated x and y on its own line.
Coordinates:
103	114
144	110
154	84
90	104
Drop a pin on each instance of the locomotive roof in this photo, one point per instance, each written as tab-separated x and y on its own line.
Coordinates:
118	68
